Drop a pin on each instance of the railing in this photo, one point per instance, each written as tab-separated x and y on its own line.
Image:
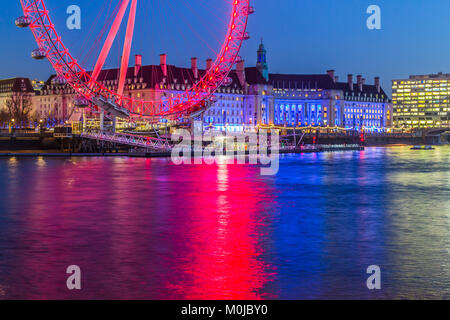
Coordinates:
437	130
390	135
320	147
148	143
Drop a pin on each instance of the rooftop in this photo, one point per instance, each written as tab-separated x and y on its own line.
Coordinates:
16	85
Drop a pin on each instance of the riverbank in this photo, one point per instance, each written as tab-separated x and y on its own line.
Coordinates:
59	154
55	153
146	154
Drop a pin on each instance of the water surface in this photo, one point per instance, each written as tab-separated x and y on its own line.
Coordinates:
148	229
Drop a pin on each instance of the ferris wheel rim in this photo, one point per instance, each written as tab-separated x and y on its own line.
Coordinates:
186	102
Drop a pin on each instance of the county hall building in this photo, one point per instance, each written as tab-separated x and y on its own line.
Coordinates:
321	100
251	96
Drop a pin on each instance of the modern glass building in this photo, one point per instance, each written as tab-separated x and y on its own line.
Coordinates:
421	101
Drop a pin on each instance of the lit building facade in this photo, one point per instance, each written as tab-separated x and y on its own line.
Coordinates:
56	99
322	101
15	86
250	97
12	86
319	100
37	84
422	101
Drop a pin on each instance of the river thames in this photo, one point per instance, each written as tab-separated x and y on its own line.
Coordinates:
148	229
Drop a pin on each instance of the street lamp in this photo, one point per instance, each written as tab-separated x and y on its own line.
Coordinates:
11	126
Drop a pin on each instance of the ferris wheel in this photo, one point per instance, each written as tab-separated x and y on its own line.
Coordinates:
191	100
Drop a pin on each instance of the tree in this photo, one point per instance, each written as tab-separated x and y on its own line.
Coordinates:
19	106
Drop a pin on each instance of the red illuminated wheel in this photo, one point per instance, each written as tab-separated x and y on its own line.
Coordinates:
193	99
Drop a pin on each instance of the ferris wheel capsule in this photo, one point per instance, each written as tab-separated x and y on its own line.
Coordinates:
23	22
38	54
214	99
227	81
245	36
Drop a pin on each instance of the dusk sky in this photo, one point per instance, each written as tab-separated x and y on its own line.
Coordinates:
301	36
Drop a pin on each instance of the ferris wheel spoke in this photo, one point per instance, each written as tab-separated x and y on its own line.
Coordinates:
109	40
127	48
195	96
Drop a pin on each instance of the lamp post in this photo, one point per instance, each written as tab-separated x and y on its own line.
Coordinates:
11	125
41	123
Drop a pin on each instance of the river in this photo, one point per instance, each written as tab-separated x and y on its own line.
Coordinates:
149	229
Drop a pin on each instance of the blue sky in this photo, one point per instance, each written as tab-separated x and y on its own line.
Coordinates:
301	36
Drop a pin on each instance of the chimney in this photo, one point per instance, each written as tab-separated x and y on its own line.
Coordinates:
363	81
163	63
359	81
240	70
350	81
377	84
209	64
336	79
194	67
331	74
137	64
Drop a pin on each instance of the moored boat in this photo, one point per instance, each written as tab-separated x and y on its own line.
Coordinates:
422	148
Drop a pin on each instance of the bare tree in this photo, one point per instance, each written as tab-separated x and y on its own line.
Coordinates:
34	116
19	107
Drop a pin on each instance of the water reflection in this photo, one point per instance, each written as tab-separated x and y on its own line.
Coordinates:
146	229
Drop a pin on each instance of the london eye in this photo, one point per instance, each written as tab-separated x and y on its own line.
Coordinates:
186	101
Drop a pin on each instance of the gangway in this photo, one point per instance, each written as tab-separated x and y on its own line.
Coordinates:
135	141
111	107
